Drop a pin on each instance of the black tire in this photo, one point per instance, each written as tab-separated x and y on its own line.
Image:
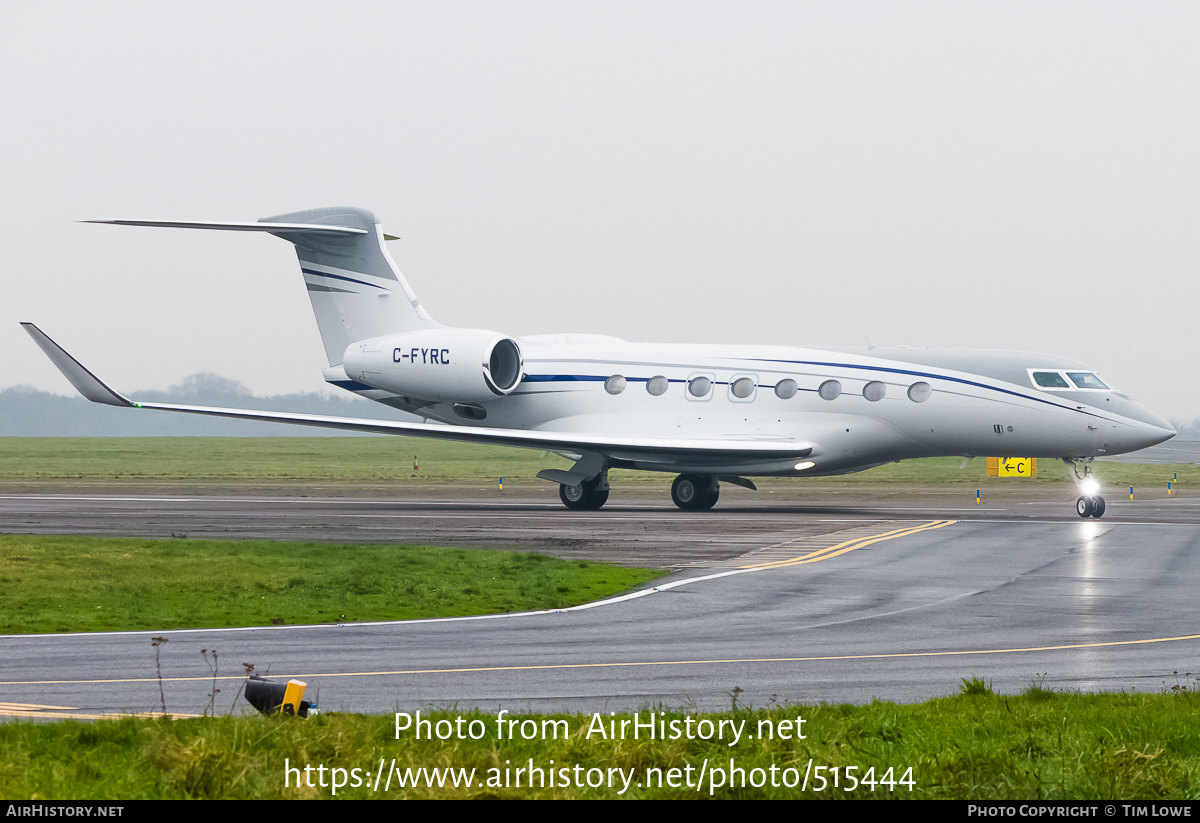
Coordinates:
685	490
695	492
571	496
1083	507
1098	507
585	496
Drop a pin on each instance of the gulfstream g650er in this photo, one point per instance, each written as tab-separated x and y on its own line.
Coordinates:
709	413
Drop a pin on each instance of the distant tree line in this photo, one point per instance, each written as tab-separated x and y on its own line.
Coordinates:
1187	431
28	412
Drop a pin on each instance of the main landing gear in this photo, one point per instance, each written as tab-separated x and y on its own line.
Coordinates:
590	494
690	492
695	492
1090	503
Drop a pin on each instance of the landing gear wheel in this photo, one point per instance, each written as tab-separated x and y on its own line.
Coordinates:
1091	504
584	496
695	492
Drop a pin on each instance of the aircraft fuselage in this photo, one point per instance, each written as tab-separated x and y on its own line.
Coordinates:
878	405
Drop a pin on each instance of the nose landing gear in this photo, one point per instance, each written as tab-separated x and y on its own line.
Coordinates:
1090	504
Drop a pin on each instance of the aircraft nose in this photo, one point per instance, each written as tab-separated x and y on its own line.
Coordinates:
1152	429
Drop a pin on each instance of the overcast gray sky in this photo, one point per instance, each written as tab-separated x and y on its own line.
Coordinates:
993	175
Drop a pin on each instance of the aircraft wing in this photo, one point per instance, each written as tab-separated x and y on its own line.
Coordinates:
97	391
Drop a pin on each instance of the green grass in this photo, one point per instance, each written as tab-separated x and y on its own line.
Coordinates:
389	460
1039	745
54	584
976	745
367	459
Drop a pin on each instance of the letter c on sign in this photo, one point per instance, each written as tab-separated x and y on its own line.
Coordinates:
395	355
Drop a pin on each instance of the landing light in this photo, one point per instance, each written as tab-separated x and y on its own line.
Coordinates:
807	464
1089	486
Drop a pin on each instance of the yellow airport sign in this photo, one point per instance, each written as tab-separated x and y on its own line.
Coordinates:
1012	467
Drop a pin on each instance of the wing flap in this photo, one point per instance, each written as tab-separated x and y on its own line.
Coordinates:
550	441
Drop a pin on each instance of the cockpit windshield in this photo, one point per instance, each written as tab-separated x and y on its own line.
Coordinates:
1050	380
1062	380
1086	380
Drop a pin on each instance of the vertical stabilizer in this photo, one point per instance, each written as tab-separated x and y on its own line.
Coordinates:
355	288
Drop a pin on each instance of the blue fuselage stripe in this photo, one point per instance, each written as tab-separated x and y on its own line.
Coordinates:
563	378
918	374
340	277
587	378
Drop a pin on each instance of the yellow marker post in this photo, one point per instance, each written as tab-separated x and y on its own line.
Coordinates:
501	484
977	496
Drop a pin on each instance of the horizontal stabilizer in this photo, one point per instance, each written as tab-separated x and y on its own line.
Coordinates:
280	229
345	267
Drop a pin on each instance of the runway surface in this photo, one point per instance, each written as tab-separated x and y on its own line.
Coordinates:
895	595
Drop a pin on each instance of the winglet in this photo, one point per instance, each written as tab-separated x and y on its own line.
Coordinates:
87	384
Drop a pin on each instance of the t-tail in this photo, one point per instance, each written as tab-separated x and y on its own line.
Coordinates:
357	292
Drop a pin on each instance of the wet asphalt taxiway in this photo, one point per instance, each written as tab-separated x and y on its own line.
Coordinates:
787	597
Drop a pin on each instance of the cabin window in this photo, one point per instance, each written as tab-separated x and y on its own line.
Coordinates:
919	392
874	391
830	390
786	389
742	388
657	385
614	384
699	386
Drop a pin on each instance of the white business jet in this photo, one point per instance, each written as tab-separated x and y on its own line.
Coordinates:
710	413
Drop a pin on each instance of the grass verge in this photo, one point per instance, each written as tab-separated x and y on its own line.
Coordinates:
1039	745
52	583
391	459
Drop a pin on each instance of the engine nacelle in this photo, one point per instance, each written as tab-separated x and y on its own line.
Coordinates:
459	365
